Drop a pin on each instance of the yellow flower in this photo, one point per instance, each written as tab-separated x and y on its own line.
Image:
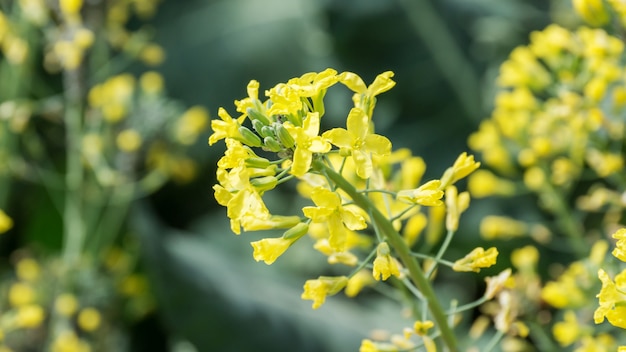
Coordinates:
385	265
593	12
227	127
191	124
27	269
476	260
612	300
456	204
492	227
317	290
364	97
269	249
463	166
330	210
21	294
6	223
428	194
620	247
567	332
66	304
483	183
525	259
421	327
128	140
89	319
151	82
358	141
29	316
152	55
368	346
497	283
357	282
67	341
307	143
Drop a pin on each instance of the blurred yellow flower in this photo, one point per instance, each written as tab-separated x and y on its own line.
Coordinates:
128	140
21	294
317	290
477	259
27	269
29	316
89	319
66	304
385	265
6	223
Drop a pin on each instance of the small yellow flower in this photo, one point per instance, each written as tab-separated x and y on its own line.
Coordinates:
462	167
493	227
191	124
128	140
357	282
368	346
317	290
620	247
27	269
483	183
476	260
428	194
21	294
89	319
339	218
151	82
593	12
269	249
497	283
67	341
568	331
66	304
152	55
308	142
227	127
421	327
456	204
29	316
6	223
612	300
385	265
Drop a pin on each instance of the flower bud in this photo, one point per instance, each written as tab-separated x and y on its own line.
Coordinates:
256	115
267	131
272	145
265	183
249	138
284	136
260	163
297	231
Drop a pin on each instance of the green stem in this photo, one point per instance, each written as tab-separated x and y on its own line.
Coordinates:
447	54
73	229
566	221
441	251
397	242
494	341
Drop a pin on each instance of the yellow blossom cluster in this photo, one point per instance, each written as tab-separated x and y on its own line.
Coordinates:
369	206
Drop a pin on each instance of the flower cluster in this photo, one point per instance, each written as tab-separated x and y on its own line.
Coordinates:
369	205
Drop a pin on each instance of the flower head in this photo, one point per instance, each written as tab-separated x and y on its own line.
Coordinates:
385	265
477	259
317	290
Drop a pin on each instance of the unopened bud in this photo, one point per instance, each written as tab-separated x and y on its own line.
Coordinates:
297	231
267	131
272	145
284	136
265	183
260	163
249	138
256	115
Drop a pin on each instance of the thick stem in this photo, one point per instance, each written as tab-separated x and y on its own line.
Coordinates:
402	250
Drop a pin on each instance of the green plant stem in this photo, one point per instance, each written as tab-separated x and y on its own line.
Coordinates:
566	221
447	54
74	228
494	341
442	250
402	249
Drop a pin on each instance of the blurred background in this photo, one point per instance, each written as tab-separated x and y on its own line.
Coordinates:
210	294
